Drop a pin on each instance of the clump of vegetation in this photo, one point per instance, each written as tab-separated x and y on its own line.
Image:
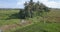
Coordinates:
32	9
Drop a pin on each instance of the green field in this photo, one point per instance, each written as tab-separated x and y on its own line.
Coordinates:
40	27
9	17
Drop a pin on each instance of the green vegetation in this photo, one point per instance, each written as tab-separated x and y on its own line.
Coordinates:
52	23
40	27
39	17
32	9
5	17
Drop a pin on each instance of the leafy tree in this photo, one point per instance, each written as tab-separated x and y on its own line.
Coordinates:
33	8
22	14
29	8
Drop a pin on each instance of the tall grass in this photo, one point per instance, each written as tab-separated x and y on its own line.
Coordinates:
38	25
5	15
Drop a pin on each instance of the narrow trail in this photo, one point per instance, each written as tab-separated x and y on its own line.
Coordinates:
8	27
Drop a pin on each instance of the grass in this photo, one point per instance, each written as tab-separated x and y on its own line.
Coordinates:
5	15
52	24
40	27
9	17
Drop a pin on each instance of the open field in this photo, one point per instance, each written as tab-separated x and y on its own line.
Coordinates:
5	18
10	17
40	27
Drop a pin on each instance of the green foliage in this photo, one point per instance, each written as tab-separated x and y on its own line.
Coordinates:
31	9
22	14
37	27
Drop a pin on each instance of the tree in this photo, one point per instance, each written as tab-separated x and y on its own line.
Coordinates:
22	14
29	8
32	7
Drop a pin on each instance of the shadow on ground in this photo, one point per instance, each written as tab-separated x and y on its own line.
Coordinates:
14	16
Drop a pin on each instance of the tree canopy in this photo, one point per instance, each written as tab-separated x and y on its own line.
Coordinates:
33	8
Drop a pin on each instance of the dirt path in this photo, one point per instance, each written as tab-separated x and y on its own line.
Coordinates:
8	27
